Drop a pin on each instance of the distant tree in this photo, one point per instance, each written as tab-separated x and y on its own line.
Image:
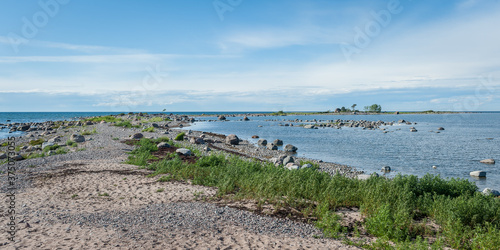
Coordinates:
373	108
343	109
354	107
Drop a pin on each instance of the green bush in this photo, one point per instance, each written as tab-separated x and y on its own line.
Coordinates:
180	136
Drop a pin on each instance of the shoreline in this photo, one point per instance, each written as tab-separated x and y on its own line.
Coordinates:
74	196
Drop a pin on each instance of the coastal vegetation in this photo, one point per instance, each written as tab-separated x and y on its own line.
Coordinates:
126	124
180	136
107	118
403	212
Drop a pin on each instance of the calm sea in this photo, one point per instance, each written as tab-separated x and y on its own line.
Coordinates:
456	151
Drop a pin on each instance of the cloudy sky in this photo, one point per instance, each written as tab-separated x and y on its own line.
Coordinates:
249	55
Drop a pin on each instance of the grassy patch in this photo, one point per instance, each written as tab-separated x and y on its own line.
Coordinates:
107	118
36	142
393	208
160	190
150	129
71	143
126	124
103	194
85	132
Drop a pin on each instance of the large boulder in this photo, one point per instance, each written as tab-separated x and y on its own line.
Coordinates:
262	142
488	161
3	156
183	151
222	118
478	173
17	157
232	139
290	148
77	138
288	159
246	119
309	126
272	146
278	142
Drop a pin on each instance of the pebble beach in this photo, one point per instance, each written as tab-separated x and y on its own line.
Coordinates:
88	198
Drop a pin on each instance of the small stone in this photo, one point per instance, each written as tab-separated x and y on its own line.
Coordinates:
288	159
307	165
271	146
255	136
137	136
278	142
262	142
77	138
434	167
386	169
488	161
3	156
163	145
292	166
440	128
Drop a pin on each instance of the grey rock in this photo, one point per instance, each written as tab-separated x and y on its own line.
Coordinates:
77	138
488	161
292	166
137	136
196	140
246	119
3	156
290	148
488	191
47	144
278	142
262	142
413	130
207	149
222	118
440	128
307	165
18	157
232	139
163	145
310	126
271	146
478	173
288	159
386	169
183	151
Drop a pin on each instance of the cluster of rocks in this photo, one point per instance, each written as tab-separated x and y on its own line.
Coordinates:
289	162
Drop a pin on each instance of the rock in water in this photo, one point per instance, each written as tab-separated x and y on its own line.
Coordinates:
386	169
272	146
222	118
262	142
232	139
440	128
488	191
488	161
478	174
255	136
290	148
246	119
77	138
183	151
278	142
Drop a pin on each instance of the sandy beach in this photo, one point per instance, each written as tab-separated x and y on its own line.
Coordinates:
90	199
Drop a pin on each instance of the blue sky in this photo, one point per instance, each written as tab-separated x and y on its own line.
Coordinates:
249	55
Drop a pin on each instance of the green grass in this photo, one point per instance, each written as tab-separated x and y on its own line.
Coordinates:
85	132
160	190
150	129
393	208
36	142
180	136
107	118
116	138
5	144
158	119
103	194
126	124
71	143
